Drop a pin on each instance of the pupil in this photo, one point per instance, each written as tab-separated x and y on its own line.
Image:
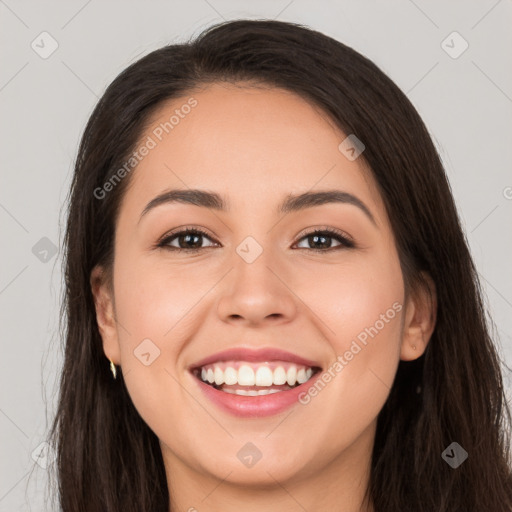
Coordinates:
316	237
187	238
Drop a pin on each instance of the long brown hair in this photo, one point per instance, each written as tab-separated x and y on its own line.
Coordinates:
452	393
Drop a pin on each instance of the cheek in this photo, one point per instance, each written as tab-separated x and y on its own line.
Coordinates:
151	311
361	304
367	316
153	297
362	291
152	308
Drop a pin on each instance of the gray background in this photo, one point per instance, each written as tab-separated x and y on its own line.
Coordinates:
466	103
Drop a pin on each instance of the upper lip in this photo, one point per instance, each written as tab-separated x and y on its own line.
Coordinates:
253	356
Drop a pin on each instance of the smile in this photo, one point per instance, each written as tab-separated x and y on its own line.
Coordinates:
249	379
254	383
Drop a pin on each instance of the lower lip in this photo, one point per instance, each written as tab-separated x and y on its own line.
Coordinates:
255	406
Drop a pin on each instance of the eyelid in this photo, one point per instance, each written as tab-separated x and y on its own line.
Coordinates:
181	229
322	229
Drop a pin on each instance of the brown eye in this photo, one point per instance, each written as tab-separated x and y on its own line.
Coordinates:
322	239
187	240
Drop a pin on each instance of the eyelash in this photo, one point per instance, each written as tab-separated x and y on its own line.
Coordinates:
345	241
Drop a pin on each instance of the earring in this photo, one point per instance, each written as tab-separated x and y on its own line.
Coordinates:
414	347
113	368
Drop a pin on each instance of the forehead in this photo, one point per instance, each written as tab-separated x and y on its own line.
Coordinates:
252	145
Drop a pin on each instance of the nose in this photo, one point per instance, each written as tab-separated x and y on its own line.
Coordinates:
257	293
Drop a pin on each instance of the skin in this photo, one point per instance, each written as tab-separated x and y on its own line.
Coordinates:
254	146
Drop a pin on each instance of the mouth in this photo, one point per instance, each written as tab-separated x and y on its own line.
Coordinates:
245	378
251	383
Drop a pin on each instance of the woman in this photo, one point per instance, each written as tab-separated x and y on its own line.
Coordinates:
263	242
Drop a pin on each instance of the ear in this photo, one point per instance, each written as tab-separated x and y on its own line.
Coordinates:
420	320
105	313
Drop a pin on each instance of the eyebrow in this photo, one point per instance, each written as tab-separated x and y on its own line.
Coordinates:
291	203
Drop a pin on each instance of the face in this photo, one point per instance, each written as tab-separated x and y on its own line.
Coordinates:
319	282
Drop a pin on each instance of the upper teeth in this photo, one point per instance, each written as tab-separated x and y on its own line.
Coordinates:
247	374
